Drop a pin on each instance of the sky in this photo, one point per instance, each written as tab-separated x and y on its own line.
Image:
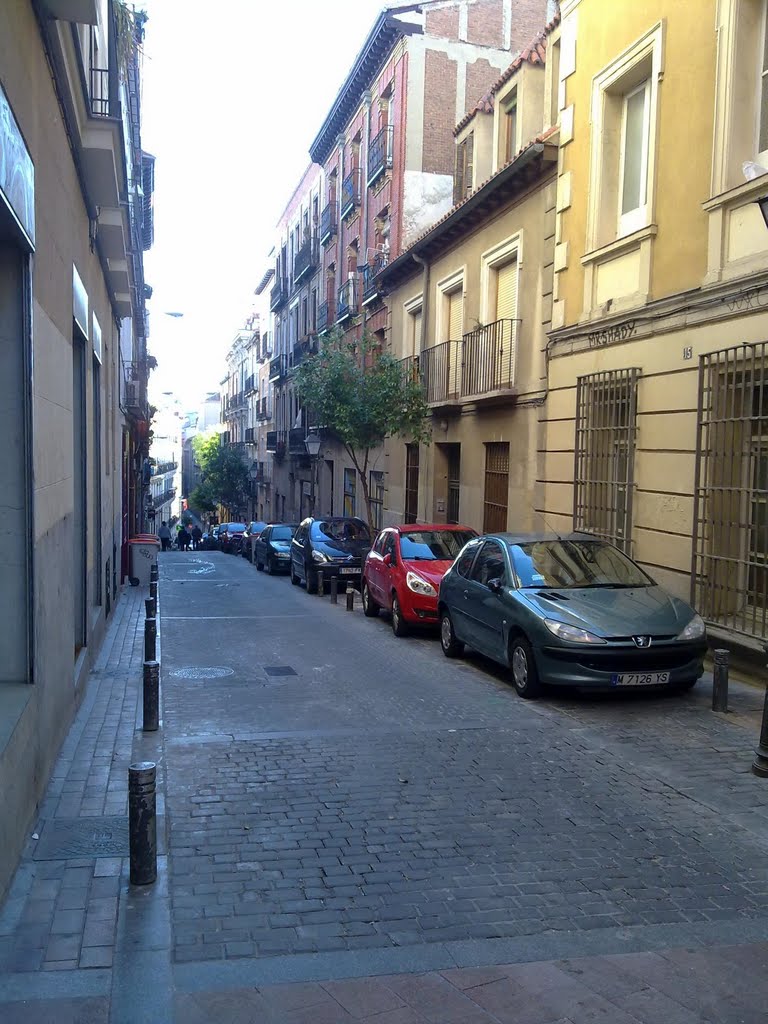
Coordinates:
234	92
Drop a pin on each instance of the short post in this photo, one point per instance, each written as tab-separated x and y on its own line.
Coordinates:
321	583
350	599
334	590
720	681
151	696
150	639
153	589
760	764
154	573
150	607
142	822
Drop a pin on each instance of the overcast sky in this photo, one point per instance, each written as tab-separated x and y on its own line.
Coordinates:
234	92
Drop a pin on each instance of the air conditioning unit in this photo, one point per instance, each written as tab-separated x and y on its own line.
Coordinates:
131	394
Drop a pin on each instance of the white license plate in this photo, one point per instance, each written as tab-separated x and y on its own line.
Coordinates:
349	572
640	679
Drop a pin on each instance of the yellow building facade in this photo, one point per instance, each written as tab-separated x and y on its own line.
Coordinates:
654	433
470	304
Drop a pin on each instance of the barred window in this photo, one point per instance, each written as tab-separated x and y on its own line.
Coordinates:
376	488
350	482
411	483
606	413
730	542
496	497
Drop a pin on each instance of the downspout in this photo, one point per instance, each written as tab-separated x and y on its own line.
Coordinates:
425	280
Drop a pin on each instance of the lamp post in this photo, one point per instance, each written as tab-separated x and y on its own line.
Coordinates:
312	443
253	476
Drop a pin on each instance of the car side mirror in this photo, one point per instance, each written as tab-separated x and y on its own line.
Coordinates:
496	585
387	559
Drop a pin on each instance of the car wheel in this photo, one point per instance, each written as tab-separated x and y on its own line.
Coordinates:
525	675
452	648
294	578
399	625
269	566
311	582
370	608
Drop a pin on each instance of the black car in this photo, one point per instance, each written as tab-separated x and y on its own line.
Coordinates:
336	545
252	530
229	535
272	550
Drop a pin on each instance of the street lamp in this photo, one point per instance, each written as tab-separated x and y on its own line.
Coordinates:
253	476
312	443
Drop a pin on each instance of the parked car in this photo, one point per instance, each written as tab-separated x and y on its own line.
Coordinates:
571	610
337	545
272	550
231	534
253	529
403	570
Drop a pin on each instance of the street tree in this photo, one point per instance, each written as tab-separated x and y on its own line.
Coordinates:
362	396
224	474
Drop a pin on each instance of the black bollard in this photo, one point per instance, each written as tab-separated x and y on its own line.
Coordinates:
150	639
350	599
142	822
720	681
153	589
151	696
334	590
150	607
321	583
154	573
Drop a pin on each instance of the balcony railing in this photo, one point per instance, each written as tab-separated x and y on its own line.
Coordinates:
306	260
261	409
410	367
326	315
277	368
165	467
100	100
274	439
249	435
369	274
328	219
225	437
296	444
440	368
235	401
380	154
162	499
250	384
348	299
489	358
279	294
350	192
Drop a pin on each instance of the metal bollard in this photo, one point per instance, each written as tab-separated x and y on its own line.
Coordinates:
153	589
142	822
720	681
150	607
150	639
154	573
334	590
321	583
350	599
151	696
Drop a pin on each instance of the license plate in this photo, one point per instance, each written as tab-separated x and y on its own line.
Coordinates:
282	556
349	572
640	679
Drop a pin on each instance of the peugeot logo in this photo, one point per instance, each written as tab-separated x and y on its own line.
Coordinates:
642	641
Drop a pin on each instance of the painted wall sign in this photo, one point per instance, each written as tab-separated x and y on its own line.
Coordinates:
17	172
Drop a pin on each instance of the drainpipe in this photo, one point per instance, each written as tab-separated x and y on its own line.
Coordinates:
425	277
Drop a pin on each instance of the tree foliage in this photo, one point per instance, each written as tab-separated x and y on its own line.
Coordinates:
362	396
224	474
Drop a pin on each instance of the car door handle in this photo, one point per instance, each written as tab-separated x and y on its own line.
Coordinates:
466	594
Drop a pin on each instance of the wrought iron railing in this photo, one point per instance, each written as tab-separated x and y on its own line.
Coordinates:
328	219
306	260
348	299
100	105
296	444
489	358
249	384
440	368
369	274
279	294
350	192
250	435
277	368
326	314
380	153
165	467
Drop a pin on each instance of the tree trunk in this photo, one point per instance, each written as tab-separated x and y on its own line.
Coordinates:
361	472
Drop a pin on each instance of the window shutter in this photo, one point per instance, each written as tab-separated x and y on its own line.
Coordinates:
416	318
506	291
455	314
469	166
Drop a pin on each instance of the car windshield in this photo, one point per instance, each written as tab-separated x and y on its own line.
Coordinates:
236	527
571	564
433	545
282	532
340	529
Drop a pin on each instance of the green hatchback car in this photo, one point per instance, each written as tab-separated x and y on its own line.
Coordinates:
572	611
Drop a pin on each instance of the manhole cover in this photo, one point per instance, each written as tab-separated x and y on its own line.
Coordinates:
69	838
203	673
279	670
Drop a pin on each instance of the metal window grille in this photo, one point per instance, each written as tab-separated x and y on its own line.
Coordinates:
496	498
411	483
376	488
730	537
349	492
454	483
606	429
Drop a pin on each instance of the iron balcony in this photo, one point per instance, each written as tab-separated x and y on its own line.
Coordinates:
328	219
277	368
306	260
350	192
278	296
380	154
348	300
370	273
326	315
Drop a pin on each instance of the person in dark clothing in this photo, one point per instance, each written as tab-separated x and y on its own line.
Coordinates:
164	534
183	539
197	536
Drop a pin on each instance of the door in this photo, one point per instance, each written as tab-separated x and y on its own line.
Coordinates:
486	609
386	572
457	593
298	551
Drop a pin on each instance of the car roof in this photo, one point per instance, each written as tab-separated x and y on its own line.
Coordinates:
423	527
532	538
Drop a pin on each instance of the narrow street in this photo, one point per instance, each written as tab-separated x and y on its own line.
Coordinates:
341	804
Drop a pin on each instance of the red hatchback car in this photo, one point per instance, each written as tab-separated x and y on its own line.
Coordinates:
403	570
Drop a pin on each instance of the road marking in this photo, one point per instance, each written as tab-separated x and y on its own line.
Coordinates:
204	618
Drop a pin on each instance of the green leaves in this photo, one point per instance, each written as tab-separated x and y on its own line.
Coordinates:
225	476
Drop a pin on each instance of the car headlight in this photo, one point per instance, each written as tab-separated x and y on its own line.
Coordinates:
319	556
419	586
573	634
695	629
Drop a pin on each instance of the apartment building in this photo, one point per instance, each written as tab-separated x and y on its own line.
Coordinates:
75	219
654	432
470	303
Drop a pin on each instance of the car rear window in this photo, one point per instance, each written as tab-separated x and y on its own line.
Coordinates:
281	533
236	528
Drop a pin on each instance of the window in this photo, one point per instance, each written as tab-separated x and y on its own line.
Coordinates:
496	497
553	80
762	137
413	331
411	483
489	564
633	174
454	482
377	498
606	407
350	483
463	180
730	563
510	127
465	559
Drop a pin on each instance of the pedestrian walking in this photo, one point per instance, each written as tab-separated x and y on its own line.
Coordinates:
197	536
164	533
183	539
